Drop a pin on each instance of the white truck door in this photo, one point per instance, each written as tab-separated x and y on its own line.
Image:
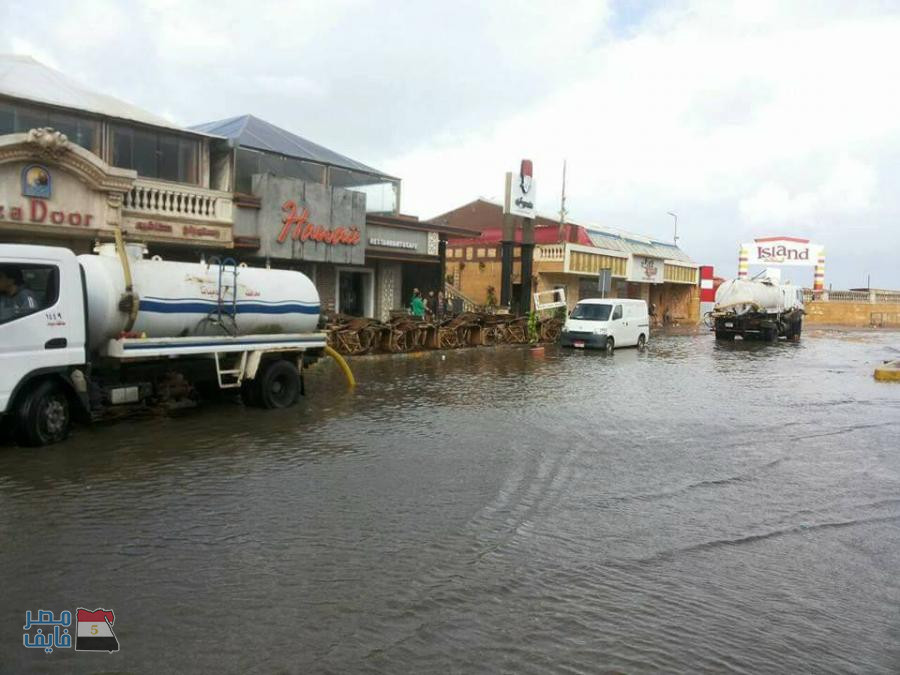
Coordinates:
42	324
617	327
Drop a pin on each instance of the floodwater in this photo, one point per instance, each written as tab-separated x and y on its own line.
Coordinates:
693	508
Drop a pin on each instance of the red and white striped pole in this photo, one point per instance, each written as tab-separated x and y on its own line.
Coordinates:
819	276
707	291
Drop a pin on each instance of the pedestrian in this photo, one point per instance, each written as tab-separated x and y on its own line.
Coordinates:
431	304
440	306
417	305
15	299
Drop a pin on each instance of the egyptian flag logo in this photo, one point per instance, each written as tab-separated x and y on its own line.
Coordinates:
526	175
95	631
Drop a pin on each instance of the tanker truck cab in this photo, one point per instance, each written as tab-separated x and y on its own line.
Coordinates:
42	340
90	335
607	324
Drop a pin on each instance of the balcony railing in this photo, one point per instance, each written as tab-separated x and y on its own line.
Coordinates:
161	199
556	252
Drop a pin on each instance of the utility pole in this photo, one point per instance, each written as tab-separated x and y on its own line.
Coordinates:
675	216
562	204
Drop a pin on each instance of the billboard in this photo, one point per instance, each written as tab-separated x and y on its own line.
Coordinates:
781	251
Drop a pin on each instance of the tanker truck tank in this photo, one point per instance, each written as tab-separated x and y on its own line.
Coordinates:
177	299
757	308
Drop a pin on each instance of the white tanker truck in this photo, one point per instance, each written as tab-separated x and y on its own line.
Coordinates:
83	336
760	308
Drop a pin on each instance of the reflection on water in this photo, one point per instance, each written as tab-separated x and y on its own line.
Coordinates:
697	506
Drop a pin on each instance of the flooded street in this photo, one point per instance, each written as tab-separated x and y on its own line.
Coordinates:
695	507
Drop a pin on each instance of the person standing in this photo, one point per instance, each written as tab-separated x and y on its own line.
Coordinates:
417	305
440	306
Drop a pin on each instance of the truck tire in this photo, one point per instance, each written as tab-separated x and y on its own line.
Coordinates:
279	386
770	334
796	329
44	416
724	336
610	345
642	342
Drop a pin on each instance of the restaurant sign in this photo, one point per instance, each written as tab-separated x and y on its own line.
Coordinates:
307	221
26	199
646	270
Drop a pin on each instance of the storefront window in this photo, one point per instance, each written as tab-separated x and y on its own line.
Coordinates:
16	118
156	154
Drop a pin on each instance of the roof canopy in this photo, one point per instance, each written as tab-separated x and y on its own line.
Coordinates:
252	132
24	78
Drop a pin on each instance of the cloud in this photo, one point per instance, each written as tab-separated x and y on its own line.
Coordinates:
744	117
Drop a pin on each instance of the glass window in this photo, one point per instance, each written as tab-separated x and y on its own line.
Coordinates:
592	312
246	164
144	158
7	120
167	152
617	314
382	195
81	131
17	118
26	289
156	155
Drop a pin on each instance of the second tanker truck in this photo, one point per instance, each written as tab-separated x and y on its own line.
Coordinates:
83	336
761	308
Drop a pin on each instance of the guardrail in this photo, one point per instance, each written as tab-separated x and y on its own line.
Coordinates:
862	297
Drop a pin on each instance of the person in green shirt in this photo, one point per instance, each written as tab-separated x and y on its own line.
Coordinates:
417	304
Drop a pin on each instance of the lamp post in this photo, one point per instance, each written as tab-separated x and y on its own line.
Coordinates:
675	216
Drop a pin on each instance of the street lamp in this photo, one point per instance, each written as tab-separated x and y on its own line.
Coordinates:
675	216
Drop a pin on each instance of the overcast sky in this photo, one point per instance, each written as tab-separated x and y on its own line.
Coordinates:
747	118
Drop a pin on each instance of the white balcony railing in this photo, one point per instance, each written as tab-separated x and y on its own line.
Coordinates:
162	199
550	252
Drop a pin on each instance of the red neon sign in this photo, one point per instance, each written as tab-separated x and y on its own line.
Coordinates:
298	228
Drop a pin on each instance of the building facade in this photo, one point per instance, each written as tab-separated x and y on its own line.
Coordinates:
76	165
570	257
302	206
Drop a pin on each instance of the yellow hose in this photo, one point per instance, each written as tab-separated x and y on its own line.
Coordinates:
343	364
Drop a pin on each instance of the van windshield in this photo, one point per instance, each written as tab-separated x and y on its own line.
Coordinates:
591	312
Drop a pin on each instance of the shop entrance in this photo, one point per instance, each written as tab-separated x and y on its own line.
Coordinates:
354	292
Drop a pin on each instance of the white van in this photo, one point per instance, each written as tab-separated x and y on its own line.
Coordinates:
607	324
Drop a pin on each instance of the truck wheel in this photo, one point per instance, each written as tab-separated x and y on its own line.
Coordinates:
642	341
770	334
43	416
279	386
610	345
797	328
724	336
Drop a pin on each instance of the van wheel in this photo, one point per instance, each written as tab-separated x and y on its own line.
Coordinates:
610	345
279	385
642	341
43	416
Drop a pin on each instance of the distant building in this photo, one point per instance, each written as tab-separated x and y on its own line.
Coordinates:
570	257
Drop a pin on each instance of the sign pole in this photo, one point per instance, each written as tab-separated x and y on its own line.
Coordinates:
526	264
506	246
